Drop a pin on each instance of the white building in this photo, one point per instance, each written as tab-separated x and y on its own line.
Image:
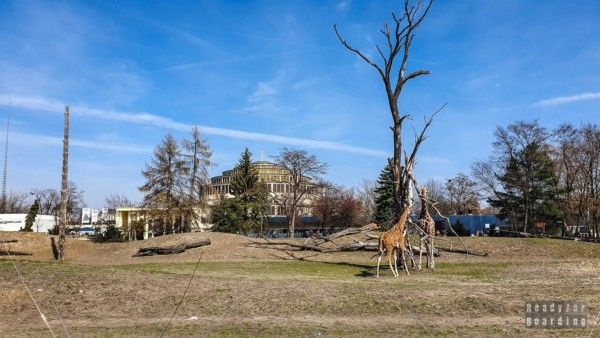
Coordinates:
15	222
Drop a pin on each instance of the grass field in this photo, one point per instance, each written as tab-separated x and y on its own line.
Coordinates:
309	297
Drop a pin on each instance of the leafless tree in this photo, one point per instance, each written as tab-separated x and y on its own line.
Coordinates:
49	200
325	204
463	194
567	156
115	200
484	172
338	207
394	74
589	185
17	203
305	170
166	183
196	152
437	193
366	195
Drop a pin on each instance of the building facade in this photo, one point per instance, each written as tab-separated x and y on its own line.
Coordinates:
15	222
279	181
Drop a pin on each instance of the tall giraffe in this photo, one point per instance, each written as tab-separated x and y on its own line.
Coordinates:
393	241
427	225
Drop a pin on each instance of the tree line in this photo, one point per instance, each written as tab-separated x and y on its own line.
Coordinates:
537	179
331	205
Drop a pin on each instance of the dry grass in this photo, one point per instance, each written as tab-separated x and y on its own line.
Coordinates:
244	290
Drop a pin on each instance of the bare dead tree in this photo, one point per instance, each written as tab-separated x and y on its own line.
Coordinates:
116	200
304	171
64	190
463	194
17	203
399	39
366	195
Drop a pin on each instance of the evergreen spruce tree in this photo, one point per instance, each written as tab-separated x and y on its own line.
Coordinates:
460	229
165	185
197	155
244	177
228	215
250	202
30	219
530	188
384	199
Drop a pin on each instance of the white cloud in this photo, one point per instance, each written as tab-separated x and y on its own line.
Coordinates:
262	92
37	103
39	139
567	99
343	5
305	84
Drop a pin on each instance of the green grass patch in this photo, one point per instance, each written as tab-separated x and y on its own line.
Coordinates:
484	271
288	269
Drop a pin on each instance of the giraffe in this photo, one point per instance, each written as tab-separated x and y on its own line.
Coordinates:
427	225
393	241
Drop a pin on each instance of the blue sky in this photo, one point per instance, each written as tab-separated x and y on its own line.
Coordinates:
270	74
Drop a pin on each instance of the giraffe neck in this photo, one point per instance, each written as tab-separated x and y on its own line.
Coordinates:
399	227
424	210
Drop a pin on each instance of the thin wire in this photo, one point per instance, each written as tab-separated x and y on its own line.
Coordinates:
37	272
247	288
184	294
595	323
29	292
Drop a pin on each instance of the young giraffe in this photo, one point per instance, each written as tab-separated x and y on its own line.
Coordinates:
393	241
427	225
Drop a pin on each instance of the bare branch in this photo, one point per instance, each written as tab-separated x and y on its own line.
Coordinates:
415	74
419	139
357	52
383	57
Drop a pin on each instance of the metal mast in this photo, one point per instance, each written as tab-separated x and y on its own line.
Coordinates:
5	163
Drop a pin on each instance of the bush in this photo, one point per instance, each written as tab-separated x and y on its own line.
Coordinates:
112	234
460	229
228	215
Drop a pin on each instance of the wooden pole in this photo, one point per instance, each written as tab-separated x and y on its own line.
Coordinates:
64	191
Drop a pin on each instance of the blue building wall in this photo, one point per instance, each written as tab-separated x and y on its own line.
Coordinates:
474	223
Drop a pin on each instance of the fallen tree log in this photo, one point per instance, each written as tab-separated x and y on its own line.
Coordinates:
4	252
356	246
484	254
170	250
352	231
9	241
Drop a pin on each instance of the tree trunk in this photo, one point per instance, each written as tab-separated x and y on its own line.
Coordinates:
172	224
64	190
292	224
526	217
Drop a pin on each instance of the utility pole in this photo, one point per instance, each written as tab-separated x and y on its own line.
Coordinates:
64	191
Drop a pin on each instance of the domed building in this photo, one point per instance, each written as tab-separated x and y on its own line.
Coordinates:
278	180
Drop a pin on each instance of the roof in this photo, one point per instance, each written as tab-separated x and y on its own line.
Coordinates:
263	163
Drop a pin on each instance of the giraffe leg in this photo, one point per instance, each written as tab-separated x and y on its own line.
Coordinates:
412	259
432	259
396	264
404	261
390	263
378	262
420	253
